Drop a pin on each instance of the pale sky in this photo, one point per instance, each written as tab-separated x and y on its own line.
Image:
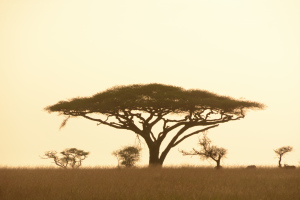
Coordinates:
60	49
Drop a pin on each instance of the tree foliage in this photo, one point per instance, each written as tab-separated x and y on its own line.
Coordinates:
140	108
281	151
208	151
128	156
157	98
71	157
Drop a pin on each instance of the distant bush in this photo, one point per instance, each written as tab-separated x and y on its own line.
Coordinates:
71	157
127	156
289	166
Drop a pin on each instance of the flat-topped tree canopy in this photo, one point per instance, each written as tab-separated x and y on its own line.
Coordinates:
141	107
151	97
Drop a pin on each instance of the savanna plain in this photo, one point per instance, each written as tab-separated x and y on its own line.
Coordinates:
147	183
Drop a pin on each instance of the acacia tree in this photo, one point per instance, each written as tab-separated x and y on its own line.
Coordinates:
128	156
145	108
208	151
281	151
71	157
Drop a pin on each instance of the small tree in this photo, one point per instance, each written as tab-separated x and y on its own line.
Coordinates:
71	157
128	156
208	151
281	151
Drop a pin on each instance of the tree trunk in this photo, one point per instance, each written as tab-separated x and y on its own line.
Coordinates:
218	164
279	162
154	160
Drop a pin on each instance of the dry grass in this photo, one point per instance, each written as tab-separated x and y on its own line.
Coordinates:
166	183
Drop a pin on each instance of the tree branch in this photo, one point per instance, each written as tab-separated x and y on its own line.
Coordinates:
193	133
167	129
152	135
112	124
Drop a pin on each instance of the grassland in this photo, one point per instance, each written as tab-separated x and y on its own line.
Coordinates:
144	183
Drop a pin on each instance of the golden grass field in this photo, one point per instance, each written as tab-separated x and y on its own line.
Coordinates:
146	183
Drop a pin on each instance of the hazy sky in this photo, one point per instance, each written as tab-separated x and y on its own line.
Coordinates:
60	49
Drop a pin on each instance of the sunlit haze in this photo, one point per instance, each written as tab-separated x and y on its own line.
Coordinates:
59	49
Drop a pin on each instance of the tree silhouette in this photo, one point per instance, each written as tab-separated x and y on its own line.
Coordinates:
128	156
281	151
141	108
69	157
208	151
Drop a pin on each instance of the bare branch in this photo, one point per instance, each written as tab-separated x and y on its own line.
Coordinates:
139	140
63	124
